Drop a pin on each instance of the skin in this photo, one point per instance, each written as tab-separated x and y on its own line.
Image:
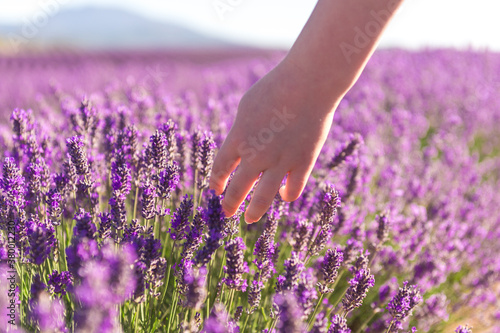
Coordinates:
305	88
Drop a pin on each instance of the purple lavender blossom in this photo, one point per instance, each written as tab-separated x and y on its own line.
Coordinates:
235	265
77	153
358	289
290	314
403	303
293	269
148	200
192	285
47	315
59	283
41	239
85	226
306	292
54	203
207	152
214	216
180	220
301	235
330	267
463	329
13	185
168	179
194	236
339	325
349	148
158	150
80	251
219	321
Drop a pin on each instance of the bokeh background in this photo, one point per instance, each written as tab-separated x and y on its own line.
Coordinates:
203	24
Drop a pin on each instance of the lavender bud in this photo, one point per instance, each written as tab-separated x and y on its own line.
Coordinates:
293	269
301	235
348	149
41	240
75	146
236	265
207	152
464	329
331	264
358	289
168	180
148	200
194	236
180	220
158	150
84	227
289	314
403	303
60	282
339	325
383	227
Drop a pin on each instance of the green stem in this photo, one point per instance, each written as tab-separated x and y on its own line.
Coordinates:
173	310
135	202
313	315
246	322
169	263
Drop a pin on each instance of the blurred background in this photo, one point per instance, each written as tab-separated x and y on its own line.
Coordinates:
213	24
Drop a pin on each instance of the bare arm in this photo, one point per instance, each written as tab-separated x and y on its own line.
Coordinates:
284	119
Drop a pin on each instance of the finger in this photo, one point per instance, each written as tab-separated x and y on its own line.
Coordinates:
295	183
264	194
225	162
242	182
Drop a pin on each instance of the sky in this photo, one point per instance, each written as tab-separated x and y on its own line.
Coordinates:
276	23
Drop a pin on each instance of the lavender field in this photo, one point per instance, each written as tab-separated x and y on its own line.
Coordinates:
107	223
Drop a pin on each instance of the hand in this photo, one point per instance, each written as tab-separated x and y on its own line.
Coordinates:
280	128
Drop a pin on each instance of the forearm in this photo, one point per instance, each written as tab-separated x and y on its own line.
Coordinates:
337	41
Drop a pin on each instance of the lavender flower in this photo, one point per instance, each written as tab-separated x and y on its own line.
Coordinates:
207	152
84	227
148	200
219	321
301	235
290	314
60	282
330	268
214	217
254	294
194	236
158	150
306	292
47	315
402	304
54	205
180	220
76	151
168	180
348	149
41	240
383	227
339	325
357	290
236	264
293	269
463	329
13	185
37	287
265	248
192	284
80	251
